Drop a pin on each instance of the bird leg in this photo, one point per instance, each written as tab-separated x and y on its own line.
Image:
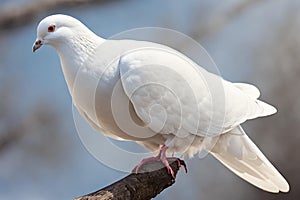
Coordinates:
162	157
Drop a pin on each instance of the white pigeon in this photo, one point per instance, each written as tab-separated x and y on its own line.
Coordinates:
176	103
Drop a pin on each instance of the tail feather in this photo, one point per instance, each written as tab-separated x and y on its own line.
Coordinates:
237	152
266	109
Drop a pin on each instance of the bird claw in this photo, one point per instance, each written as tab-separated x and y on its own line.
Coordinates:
182	163
170	171
179	163
165	161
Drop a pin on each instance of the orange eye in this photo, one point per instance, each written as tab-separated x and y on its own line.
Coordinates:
51	28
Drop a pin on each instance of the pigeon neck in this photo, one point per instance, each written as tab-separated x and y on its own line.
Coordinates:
75	52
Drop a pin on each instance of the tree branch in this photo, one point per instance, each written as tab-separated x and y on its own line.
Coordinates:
149	182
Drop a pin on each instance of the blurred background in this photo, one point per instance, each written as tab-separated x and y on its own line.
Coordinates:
41	156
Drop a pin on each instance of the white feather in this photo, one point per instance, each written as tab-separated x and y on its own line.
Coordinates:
164	91
237	152
248	89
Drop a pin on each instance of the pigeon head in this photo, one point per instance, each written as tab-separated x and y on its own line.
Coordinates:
57	29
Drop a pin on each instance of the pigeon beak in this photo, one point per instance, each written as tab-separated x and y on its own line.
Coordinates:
38	43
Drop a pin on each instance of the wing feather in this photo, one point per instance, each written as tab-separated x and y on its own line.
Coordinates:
173	94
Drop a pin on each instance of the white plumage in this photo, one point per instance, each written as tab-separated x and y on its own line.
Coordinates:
114	83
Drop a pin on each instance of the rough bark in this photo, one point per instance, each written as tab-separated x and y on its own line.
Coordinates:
152	179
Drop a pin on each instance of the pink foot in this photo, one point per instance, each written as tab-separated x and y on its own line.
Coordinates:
163	158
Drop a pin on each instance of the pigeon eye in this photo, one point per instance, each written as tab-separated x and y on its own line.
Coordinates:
51	28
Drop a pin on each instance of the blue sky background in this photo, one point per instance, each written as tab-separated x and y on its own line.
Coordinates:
37	77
